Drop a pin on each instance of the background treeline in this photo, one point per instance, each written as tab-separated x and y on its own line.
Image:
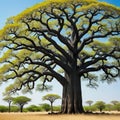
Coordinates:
89	107
102	106
21	101
32	108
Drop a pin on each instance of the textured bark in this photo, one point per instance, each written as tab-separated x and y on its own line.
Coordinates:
72	95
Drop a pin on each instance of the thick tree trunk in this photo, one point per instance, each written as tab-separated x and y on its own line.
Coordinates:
72	95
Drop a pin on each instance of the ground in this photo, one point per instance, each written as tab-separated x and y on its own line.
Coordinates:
45	116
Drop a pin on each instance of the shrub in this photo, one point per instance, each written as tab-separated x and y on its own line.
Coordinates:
90	108
14	109
117	106
3	108
57	108
33	108
45	107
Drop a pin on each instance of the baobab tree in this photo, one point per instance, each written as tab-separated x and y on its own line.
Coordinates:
62	40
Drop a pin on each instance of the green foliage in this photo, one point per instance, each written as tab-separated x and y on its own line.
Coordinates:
33	108
21	101
8	99
3	108
109	107
57	108
40	87
100	105
56	37
114	102
117	106
90	108
51	97
29	37
45	107
14	109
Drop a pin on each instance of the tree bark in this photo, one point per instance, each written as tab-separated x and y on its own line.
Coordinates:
21	108
9	109
51	107
72	94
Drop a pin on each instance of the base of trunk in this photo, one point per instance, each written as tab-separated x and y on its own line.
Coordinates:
72	112
72	96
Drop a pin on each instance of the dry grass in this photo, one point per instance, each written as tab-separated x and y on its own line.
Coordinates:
44	116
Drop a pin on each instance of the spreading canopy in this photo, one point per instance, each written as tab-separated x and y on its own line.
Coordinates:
59	36
21	101
51	97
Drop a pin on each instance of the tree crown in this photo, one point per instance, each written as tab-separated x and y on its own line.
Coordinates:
66	36
51	97
21	100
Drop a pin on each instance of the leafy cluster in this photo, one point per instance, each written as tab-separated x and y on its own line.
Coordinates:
60	35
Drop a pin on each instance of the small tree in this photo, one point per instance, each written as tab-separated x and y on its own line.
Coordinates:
51	98
117	106
8	99
21	101
114	102
100	105
108	107
89	102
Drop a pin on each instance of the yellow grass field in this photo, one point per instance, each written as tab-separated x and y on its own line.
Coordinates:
44	116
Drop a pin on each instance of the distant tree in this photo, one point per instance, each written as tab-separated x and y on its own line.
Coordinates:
9	100
100	105
117	106
114	102
51	98
89	102
21	101
108	107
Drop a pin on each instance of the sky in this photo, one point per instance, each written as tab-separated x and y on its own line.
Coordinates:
104	92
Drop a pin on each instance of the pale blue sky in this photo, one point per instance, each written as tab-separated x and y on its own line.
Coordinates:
104	92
